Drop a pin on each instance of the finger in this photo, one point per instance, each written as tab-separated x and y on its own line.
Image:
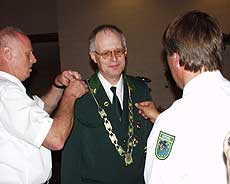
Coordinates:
85	85
140	107
137	105
226	141
75	75
69	75
143	114
145	103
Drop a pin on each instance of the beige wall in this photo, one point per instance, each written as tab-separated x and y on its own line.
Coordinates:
143	22
33	17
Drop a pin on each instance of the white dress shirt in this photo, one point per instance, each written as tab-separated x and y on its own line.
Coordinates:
119	88
198	122
23	127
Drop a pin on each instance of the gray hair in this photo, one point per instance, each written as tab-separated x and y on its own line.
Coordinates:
9	33
105	27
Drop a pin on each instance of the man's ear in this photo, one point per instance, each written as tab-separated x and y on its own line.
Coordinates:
93	56
177	59
7	53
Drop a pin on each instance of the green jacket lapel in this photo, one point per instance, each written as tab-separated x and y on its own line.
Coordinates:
98	91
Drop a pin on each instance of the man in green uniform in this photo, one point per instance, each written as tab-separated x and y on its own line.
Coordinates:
108	141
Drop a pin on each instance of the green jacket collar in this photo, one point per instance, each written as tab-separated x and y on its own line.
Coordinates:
95	83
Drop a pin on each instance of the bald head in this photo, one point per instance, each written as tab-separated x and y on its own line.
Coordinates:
16	57
9	34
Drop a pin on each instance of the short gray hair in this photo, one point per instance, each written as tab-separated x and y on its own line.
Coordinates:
8	33
105	27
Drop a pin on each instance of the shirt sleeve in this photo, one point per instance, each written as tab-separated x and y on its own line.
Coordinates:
23	117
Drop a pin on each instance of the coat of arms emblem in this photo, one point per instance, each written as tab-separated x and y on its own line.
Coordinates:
164	145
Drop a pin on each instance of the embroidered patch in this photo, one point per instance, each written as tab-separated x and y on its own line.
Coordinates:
164	145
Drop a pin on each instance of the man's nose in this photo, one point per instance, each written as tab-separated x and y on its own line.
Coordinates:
113	56
33	59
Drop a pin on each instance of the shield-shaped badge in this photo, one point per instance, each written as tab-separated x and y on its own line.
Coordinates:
164	145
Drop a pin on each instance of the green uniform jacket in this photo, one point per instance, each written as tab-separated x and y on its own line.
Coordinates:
89	157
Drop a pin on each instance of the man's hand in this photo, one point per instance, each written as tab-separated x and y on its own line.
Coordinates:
148	110
227	146
227	153
63	79
76	88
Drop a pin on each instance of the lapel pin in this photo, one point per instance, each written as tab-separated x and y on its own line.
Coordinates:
106	103
138	125
94	90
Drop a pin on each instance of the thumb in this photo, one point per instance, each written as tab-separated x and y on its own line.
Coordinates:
138	105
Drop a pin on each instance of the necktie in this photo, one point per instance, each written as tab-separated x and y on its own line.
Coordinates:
116	103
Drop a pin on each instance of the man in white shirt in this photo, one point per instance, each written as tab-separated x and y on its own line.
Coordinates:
27	132
186	142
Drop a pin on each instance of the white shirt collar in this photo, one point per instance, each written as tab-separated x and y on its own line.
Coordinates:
201	81
12	78
119	91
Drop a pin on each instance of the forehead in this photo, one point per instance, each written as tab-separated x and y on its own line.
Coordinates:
24	40
107	40
21	42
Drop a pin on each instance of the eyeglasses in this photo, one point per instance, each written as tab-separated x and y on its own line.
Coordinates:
109	54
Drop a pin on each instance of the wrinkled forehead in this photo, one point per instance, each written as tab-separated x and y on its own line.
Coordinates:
16	41
24	40
107	39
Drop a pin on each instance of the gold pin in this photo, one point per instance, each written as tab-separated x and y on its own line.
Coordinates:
94	90
135	142
106	103
138	125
